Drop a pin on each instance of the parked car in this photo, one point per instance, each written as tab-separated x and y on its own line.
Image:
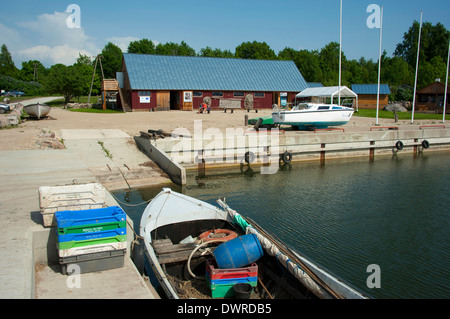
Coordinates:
4	108
13	93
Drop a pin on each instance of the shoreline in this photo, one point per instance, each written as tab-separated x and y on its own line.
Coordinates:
25	136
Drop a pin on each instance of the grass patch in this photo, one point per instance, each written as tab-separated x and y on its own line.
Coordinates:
107	152
96	108
401	115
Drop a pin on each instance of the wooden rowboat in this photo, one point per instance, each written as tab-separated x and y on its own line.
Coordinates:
171	227
37	110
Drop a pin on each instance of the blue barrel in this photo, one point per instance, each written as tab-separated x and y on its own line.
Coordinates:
238	252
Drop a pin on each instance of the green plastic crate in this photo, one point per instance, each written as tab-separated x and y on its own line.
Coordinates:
225	290
81	229
82	243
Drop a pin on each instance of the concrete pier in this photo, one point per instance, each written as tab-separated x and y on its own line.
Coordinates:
221	149
26	247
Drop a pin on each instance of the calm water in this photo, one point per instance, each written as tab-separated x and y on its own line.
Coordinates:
346	215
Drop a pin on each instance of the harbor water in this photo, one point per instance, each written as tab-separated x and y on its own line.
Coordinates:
346	215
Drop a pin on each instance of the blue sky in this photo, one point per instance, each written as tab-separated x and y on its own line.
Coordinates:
36	29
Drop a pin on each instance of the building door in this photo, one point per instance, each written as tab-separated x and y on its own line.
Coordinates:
276	98
175	100
187	100
162	100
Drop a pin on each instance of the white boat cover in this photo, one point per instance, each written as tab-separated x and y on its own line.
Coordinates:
328	91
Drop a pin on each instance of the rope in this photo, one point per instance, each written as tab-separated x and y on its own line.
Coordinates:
136	236
131	205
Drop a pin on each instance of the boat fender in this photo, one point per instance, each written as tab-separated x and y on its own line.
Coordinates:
258	124
209	235
286	157
249	157
399	145
425	144
138	256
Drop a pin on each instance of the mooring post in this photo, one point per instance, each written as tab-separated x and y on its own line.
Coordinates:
416	148
372	152
201	167
322	156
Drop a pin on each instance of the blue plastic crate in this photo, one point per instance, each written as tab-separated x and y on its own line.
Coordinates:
72	218
94	235
233	281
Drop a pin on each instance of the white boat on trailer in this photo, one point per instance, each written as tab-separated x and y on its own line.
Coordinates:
171	222
314	115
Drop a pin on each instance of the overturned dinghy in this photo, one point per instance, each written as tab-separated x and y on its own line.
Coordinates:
181	246
37	110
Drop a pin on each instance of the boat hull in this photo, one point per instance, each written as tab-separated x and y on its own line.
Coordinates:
37	110
171	216
304	119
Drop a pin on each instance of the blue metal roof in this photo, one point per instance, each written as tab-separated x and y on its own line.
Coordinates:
370	88
314	85
163	72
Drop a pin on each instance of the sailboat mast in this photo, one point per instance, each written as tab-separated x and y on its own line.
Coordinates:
340	55
379	64
446	85
417	69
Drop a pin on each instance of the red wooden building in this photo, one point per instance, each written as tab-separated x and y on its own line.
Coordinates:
431	98
155	82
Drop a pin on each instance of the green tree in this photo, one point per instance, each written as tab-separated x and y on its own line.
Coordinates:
433	43
7	66
32	71
65	80
288	54
309	65
171	48
143	46
215	53
85	68
255	50
111	60
430	71
396	71
329	63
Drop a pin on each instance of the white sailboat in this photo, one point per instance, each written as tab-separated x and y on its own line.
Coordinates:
312	115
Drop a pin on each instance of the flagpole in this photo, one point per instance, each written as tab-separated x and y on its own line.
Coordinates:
340	55
446	85
417	69
379	64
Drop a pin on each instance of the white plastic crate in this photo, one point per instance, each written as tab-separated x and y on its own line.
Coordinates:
72	197
91	249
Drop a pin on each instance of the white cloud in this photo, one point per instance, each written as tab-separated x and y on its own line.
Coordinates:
58	54
52	41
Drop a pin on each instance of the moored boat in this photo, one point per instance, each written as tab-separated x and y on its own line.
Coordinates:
37	110
313	115
181	235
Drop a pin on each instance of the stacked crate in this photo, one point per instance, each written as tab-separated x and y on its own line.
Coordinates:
93	239
221	281
72	197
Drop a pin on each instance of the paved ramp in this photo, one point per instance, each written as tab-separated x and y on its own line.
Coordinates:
113	158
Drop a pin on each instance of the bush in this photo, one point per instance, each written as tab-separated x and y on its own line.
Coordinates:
8	83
